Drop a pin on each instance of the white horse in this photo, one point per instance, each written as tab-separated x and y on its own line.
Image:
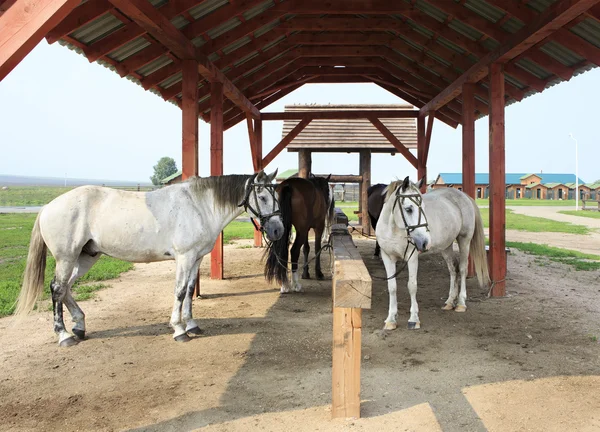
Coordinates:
179	222
412	222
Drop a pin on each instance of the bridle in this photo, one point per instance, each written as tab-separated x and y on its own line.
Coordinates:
417	200
253	187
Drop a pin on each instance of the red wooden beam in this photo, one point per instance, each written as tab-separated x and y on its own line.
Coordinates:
281	87
394	141
422	165
428	134
468	140
337	7
284	142
216	167
81	15
339	115
155	78
189	109
257	156
140	59
24	24
400	85
497	188
545	24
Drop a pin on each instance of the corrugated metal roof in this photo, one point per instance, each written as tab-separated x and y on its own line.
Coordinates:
257	10
129	49
97	29
206	8
485	10
589	30
215	32
160	62
562	54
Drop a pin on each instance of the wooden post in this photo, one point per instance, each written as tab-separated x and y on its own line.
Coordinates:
216	166
365	172
468	149
497	257
190	111
352	288
24	24
258	151
422	164
304	163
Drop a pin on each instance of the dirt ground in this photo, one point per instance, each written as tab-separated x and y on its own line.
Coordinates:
530	361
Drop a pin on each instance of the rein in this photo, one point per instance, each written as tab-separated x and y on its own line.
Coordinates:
263	218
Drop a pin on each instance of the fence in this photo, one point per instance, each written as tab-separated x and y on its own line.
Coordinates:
346	192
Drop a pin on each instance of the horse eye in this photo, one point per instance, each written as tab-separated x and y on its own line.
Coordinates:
262	198
408	210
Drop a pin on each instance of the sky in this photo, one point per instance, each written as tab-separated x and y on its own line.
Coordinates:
63	116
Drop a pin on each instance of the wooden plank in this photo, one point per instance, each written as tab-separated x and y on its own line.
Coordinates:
541	27
346	359
24	24
497	188
351	7
216	167
189	110
428	134
340	115
351	280
394	141
468	140
284	142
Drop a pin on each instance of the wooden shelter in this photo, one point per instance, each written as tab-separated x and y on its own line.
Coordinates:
363	135
225	61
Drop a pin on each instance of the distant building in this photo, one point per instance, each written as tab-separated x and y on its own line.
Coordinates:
519	185
173	178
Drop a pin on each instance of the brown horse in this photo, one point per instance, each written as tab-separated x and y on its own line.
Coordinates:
376	198
305	204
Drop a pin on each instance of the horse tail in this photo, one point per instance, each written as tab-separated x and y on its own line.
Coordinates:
477	249
277	253
33	281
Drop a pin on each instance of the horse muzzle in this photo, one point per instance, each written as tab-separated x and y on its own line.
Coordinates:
273	228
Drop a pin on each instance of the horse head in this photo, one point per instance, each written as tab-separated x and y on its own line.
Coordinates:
261	202
409	213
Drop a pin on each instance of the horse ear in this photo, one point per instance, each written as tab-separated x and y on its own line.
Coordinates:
271	176
422	182
328	177
405	184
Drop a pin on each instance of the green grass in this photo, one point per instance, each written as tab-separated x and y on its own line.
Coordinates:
19	196
532	202
238	230
15	231
582	213
579	260
535	224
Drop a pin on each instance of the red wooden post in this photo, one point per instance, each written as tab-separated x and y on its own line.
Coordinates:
216	166
422	164
189	121
497	258
468	148
257	168
24	24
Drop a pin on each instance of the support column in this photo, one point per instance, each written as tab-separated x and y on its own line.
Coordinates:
468	148
422	163
497	257
189	110
304	163
365	171
216	166
259	156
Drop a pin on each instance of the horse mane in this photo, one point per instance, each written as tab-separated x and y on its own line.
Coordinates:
389	191
229	190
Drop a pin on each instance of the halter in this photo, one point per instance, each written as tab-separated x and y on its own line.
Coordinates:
417	200
252	188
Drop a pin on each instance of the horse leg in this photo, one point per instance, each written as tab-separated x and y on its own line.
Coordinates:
377	253
306	251
84	264
463	247
59	288
301	238
448	255
413	267
185	263
318	236
190	325
390	269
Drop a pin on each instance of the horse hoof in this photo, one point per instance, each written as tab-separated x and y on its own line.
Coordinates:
390	326
182	338
460	308
194	331
79	333
320	276
414	325
68	342
447	307
305	276
284	290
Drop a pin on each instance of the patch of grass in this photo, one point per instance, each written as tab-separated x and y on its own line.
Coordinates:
535	224
86	292
532	202
30	195
593	338
579	260
238	230
582	213
15	232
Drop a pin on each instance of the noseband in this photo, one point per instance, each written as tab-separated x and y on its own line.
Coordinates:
263	218
417	200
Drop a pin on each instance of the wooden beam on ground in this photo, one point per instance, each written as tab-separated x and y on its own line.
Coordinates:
285	141
340	115
497	197
395	141
24	24
544	25
155	23
216	167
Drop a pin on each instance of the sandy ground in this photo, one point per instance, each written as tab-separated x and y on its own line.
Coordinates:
525	362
